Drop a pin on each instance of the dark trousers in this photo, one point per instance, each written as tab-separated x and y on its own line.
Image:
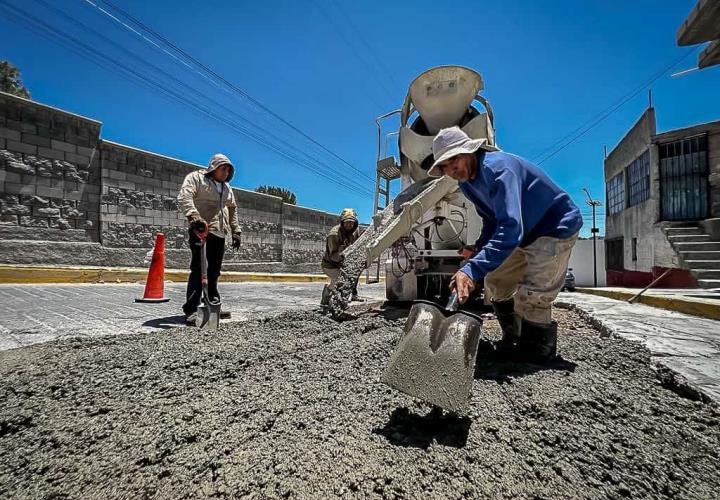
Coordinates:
215	250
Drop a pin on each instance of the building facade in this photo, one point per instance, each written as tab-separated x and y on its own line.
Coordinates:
663	206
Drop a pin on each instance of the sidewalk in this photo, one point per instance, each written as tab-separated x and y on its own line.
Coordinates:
689	345
698	301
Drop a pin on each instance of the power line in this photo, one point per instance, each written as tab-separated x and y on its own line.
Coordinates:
96	56
352	48
359	36
155	70
217	77
593	122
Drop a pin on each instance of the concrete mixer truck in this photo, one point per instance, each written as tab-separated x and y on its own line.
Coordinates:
418	248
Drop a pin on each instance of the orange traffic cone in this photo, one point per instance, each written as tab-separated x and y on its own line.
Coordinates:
155	284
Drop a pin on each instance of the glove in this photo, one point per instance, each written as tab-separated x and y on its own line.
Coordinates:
236	238
198	224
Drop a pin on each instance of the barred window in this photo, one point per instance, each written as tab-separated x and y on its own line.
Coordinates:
638	179
614	259
615	194
684	189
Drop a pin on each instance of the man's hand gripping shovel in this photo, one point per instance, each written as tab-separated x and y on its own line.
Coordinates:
208	314
435	360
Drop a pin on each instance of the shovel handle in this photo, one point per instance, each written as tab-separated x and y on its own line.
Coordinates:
452	304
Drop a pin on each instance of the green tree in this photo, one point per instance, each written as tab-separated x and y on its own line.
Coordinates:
286	195
10	81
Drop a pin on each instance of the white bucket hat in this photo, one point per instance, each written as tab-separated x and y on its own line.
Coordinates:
450	142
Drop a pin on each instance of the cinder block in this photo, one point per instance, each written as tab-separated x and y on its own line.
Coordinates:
7	133
114	174
7	176
52	192
51	153
73	195
76	158
82	150
21	147
36	140
13	188
63	146
126	185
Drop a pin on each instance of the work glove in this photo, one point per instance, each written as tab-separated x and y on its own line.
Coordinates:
198	224
236	239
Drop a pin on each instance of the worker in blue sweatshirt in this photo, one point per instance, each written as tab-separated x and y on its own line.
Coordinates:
530	226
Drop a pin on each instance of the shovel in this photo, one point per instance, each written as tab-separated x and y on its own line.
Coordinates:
208	314
435	360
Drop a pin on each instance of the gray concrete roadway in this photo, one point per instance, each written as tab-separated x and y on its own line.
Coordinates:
30	314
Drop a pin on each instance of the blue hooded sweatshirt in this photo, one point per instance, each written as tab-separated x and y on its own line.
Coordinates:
518	204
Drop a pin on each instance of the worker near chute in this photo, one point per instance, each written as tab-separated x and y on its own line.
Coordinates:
530	226
208	202
338	239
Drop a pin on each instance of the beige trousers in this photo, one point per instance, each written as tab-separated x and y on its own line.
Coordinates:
533	275
333	274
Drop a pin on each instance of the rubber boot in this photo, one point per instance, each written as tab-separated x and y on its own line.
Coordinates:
511	325
538	343
325	299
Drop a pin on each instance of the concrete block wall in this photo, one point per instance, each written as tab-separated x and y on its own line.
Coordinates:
303	228
49	176
102	203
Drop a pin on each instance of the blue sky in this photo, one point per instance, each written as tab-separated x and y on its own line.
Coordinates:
329	67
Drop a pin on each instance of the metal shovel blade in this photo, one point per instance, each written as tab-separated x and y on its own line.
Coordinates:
435	360
208	316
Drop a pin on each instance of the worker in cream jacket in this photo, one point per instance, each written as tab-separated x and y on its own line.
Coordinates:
208	202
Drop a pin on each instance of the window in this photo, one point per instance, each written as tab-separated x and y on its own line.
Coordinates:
615	194
634	249
684	179
638	179
614	255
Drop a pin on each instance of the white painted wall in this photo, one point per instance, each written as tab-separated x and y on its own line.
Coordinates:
581	261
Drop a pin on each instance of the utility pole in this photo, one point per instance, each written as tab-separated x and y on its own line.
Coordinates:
594	230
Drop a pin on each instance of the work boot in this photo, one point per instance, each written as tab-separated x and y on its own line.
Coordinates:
356	298
510	323
191	319
538	343
225	314
325	299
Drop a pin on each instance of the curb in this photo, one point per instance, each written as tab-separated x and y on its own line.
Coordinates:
677	304
39	274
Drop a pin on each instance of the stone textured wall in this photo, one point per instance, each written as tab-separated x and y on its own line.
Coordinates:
48	173
102	203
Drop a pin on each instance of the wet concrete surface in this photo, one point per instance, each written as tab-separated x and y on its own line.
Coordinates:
292	407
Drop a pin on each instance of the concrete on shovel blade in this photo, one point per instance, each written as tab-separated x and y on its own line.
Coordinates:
435	360
208	316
